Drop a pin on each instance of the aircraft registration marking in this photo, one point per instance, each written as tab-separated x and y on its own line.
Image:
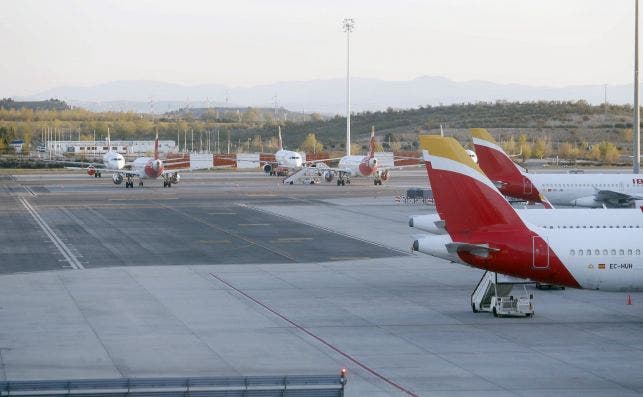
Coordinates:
624	266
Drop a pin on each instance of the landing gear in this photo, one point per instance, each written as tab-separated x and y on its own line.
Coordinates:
377	182
167	184
97	175
343	179
129	183
140	183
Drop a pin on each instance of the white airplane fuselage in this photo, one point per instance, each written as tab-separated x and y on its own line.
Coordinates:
579	189
288	159
113	161
359	165
562	218
148	167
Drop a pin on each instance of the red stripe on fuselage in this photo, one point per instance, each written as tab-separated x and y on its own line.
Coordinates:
152	173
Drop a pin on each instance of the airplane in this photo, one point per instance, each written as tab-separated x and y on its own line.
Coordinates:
147	168
485	231
285	161
112	161
581	190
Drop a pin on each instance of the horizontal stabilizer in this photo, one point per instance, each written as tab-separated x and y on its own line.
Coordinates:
481	250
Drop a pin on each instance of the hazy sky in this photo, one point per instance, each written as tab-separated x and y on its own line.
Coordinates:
45	44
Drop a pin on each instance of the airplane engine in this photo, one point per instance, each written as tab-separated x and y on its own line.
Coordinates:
435	245
267	168
372	162
117	179
429	223
588	202
328	176
385	175
91	170
175	178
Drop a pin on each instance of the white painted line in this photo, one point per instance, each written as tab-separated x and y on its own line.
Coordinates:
64	250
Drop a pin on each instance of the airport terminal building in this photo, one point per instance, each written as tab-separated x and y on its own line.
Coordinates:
98	148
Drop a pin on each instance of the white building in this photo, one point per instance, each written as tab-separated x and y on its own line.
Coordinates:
98	148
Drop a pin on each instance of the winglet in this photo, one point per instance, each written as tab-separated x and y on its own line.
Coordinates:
371	146
156	146
281	146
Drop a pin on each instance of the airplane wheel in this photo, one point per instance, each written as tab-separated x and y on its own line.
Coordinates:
495	313
169	184
140	183
292	182
375	182
348	181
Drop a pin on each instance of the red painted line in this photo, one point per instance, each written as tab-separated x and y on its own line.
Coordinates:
318	338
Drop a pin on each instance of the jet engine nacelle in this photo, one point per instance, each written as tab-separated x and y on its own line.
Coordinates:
435	245
267	168
385	175
91	170
328	176
175	178
117	179
588	202
429	223
372	162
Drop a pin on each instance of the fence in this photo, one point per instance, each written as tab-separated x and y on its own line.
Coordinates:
253	386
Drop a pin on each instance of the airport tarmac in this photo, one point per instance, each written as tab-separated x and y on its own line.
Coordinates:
233	273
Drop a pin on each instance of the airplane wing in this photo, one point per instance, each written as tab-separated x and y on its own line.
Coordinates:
618	199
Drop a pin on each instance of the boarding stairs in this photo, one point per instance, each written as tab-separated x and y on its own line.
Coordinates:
494	294
308	175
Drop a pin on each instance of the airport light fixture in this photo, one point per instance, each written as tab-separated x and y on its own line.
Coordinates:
348	25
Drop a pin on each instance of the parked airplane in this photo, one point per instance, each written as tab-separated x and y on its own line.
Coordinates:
582	190
484	231
285	161
147	168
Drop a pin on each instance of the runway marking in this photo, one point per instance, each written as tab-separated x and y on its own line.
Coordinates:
215	241
254	224
28	189
229	233
64	250
348	258
316	337
222	213
291	239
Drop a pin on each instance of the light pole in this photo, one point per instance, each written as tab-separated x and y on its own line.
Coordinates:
637	106
348	24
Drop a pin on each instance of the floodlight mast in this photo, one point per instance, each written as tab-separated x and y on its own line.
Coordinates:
637	107
348	24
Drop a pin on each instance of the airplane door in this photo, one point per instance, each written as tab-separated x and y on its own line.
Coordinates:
526	184
540	253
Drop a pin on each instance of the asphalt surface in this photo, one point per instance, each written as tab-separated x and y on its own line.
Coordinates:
235	274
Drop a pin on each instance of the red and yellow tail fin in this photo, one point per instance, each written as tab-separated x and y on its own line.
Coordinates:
371	145
464	197
156	146
281	145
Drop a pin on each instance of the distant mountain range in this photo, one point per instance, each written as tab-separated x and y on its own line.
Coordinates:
324	96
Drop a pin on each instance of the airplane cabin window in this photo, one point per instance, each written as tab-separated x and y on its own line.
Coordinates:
638	252
613	252
589	252
629	252
621	252
580	252
572	252
604	252
597	252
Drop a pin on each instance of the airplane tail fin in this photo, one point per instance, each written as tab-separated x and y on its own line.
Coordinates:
464	197
371	145
501	169
281	144
156	146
